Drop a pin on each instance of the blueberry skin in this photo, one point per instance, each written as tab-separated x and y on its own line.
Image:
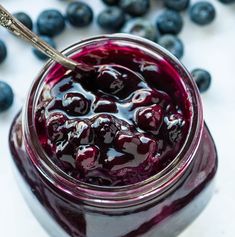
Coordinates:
50	22
38	53
6	96
173	44
3	51
25	19
140	27
227	1
79	14
202	13
111	2
135	7
112	18
177	5
169	22
202	79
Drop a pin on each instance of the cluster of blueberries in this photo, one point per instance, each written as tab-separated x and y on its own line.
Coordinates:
120	16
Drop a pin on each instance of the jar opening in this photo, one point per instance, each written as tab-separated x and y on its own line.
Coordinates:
124	194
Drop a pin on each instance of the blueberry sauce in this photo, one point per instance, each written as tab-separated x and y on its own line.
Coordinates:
111	128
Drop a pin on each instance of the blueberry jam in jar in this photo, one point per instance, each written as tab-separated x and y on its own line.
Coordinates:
122	152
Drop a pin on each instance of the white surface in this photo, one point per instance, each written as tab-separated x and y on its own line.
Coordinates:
212	47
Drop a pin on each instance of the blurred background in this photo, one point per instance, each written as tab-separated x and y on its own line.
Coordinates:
210	47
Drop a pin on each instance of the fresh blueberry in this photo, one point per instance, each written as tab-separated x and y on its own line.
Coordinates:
48	40
24	19
79	14
172	44
227	1
202	79
135	7
169	22
6	96
111	2
112	18
202	13
50	23
3	51
177	5
140	27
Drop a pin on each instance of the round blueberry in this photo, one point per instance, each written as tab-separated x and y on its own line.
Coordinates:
173	44
87	158
111	2
111	18
75	104
54	125
3	51
135	7
202	13
41	55
105	128
115	81
140	27
177	5
50	23
169	22
202	79
79	14
24	19
6	96
227	1
150	118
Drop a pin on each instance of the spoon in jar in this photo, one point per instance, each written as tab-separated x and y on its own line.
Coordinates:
17	28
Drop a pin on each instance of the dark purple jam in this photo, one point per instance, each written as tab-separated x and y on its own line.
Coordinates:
113	128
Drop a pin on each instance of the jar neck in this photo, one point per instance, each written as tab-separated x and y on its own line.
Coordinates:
129	195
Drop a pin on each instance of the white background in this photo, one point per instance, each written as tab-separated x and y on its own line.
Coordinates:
211	47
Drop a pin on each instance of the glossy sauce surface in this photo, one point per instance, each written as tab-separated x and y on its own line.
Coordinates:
113	128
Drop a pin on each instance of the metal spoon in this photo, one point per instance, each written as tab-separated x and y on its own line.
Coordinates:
17	28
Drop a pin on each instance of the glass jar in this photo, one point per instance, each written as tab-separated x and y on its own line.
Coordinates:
162	205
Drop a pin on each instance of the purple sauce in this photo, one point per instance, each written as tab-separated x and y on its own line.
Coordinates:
113	128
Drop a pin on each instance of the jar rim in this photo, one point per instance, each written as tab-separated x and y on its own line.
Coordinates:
118	195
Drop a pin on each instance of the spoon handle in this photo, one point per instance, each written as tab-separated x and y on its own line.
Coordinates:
12	24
